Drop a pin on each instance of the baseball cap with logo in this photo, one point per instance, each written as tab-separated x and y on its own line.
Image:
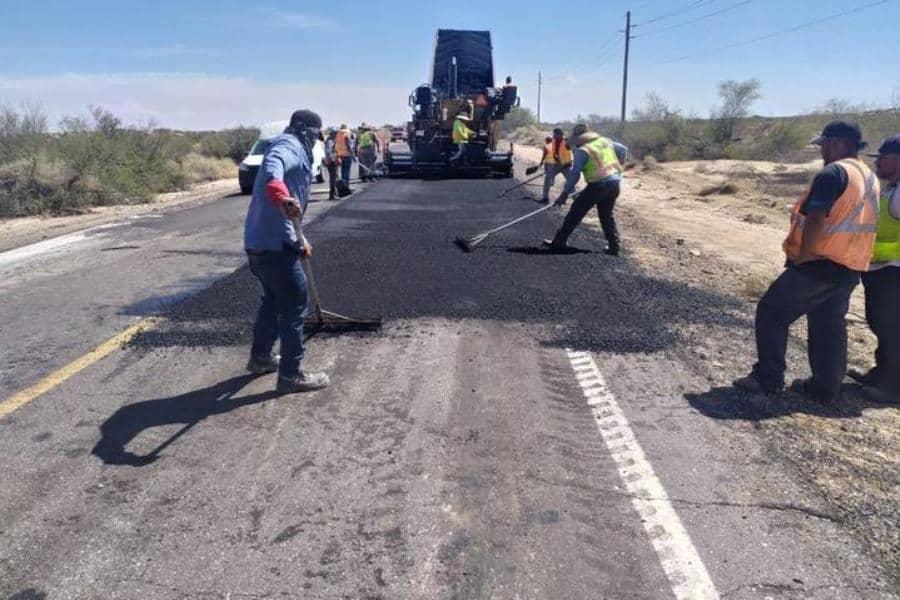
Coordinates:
840	130
889	146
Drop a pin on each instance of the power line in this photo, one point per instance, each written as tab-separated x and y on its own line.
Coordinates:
692	6
697	20
776	33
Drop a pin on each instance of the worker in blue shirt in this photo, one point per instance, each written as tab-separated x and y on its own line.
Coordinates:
275	249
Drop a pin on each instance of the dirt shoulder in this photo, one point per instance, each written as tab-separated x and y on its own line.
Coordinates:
719	225
18	232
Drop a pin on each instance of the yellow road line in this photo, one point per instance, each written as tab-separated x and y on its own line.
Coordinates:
79	364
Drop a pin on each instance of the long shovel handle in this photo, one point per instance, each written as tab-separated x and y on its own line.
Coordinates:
518	185
519	220
310	277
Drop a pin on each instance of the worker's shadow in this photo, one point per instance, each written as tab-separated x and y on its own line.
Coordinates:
731	403
188	409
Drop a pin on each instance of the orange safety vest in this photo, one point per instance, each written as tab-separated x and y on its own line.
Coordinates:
342	144
849	233
565	154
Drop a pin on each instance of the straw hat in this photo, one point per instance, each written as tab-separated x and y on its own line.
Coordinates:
581	135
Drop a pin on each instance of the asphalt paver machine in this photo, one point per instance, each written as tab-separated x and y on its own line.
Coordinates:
462	81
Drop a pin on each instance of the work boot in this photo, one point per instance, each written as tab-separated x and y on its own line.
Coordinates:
553	245
881	395
808	388
611	251
870	377
750	383
302	382
545	201
261	365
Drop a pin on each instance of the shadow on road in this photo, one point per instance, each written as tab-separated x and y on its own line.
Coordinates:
730	403
189	409
546	251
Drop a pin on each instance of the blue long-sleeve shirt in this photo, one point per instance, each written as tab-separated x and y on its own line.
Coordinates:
266	227
580	159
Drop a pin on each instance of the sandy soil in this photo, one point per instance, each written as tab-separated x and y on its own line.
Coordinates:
719	225
18	232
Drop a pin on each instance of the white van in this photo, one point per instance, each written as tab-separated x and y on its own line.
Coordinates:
250	165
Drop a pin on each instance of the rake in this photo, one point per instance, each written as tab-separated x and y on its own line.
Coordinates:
468	244
324	320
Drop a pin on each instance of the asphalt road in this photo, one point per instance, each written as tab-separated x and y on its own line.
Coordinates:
519	429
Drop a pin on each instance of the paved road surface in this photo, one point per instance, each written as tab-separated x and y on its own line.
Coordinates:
518	430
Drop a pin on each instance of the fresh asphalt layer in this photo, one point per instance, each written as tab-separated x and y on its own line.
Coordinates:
519	428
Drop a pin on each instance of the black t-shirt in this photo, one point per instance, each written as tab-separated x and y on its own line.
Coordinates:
827	187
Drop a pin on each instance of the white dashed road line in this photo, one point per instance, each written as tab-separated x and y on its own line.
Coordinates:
679	558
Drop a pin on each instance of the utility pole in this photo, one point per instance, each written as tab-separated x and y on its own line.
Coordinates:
540	82
625	70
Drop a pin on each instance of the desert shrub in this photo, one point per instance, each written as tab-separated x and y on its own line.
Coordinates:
232	143
518	116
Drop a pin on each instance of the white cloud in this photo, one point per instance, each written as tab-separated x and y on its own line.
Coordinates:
301	20
197	101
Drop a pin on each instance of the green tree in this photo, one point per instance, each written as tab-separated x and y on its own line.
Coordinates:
737	98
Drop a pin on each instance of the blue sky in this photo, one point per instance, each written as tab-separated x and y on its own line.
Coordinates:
208	63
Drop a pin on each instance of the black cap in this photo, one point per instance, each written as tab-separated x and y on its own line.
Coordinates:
841	130
889	146
306	118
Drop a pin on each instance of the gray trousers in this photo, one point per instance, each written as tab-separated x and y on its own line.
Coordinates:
550	173
820	290
883	315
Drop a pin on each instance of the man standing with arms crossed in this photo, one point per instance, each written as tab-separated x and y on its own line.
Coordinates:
882	281
828	247
275	249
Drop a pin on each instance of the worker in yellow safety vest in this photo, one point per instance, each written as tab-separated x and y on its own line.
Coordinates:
344	152
557	160
599	160
882	281
461	135
367	146
828	247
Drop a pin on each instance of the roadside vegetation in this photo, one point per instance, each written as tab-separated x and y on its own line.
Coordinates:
730	131
95	159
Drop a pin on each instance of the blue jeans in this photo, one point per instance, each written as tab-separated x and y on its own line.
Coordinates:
283	307
820	290
550	173
346	164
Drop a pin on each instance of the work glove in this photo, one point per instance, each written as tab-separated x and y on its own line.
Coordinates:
561	201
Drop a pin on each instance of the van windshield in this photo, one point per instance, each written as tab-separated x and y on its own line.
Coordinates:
259	147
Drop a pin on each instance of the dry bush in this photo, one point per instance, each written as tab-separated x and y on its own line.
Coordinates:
198	168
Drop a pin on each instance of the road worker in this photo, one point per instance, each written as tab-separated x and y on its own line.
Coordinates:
275	249
557	159
368	147
332	162
829	246
599	160
882	281
461	135
344	152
